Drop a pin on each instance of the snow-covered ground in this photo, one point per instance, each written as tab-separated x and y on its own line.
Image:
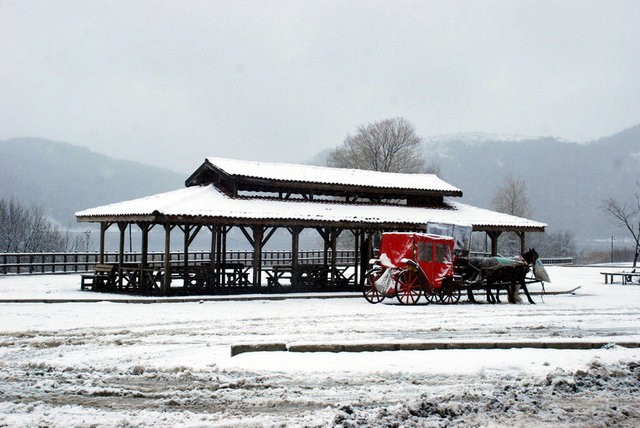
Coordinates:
165	364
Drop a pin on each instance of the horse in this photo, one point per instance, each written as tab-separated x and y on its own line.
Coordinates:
500	272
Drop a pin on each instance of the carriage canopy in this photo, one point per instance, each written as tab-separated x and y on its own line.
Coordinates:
422	247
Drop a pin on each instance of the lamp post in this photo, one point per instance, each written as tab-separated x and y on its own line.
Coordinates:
612	249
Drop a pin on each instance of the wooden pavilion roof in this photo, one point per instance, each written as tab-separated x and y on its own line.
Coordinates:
206	204
233	176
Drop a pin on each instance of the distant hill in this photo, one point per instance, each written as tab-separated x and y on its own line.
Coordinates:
63	178
566	181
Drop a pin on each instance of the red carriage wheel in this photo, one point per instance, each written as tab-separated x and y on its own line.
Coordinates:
369	290
408	287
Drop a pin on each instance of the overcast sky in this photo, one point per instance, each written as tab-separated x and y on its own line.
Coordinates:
171	82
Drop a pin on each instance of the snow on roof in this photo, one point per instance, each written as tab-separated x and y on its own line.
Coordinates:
208	201
326	175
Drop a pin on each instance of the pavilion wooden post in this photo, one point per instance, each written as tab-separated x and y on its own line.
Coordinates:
333	241
145	228
356	256
212	253
494	235
103	230
166	279
258	239
122	226
521	235
295	252
258	232
365	253
222	249
186	229
325	233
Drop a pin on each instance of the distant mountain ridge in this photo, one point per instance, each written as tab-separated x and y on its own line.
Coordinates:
63	178
566	181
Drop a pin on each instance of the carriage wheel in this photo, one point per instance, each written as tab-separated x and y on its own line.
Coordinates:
408	287
449	293
431	297
369	290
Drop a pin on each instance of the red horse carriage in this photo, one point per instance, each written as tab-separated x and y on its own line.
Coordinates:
410	265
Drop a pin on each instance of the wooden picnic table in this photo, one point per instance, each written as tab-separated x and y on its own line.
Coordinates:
204	275
305	274
309	275
625	277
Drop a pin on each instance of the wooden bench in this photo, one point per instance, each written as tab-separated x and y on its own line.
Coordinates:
102	274
625	277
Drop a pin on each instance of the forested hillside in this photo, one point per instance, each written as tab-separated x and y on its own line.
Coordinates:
566	181
63	178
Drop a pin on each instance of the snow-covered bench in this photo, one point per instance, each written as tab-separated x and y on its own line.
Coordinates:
102	274
626	277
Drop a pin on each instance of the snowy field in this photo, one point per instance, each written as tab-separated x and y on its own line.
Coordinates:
167	364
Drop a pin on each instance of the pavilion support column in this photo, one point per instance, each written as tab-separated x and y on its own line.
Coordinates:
213	252
190	232
258	232
333	241
325	233
494	235
186	230
122	228
365	253
356	255
166	278
295	252
523	240
213	255
143	280
222	248
103	230
258	239
144	228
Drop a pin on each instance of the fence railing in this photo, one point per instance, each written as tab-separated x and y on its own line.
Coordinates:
46	263
41	263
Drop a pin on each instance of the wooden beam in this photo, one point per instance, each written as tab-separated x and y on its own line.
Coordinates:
193	234
247	235
266	238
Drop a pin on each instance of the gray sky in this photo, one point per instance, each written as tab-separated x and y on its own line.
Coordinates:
171	82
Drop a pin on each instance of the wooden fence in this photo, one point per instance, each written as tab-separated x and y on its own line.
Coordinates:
47	263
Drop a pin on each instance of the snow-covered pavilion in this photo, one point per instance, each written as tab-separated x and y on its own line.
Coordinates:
259	198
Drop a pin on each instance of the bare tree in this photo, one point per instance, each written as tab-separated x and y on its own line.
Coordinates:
626	214
27	229
389	145
434	167
560	243
511	197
